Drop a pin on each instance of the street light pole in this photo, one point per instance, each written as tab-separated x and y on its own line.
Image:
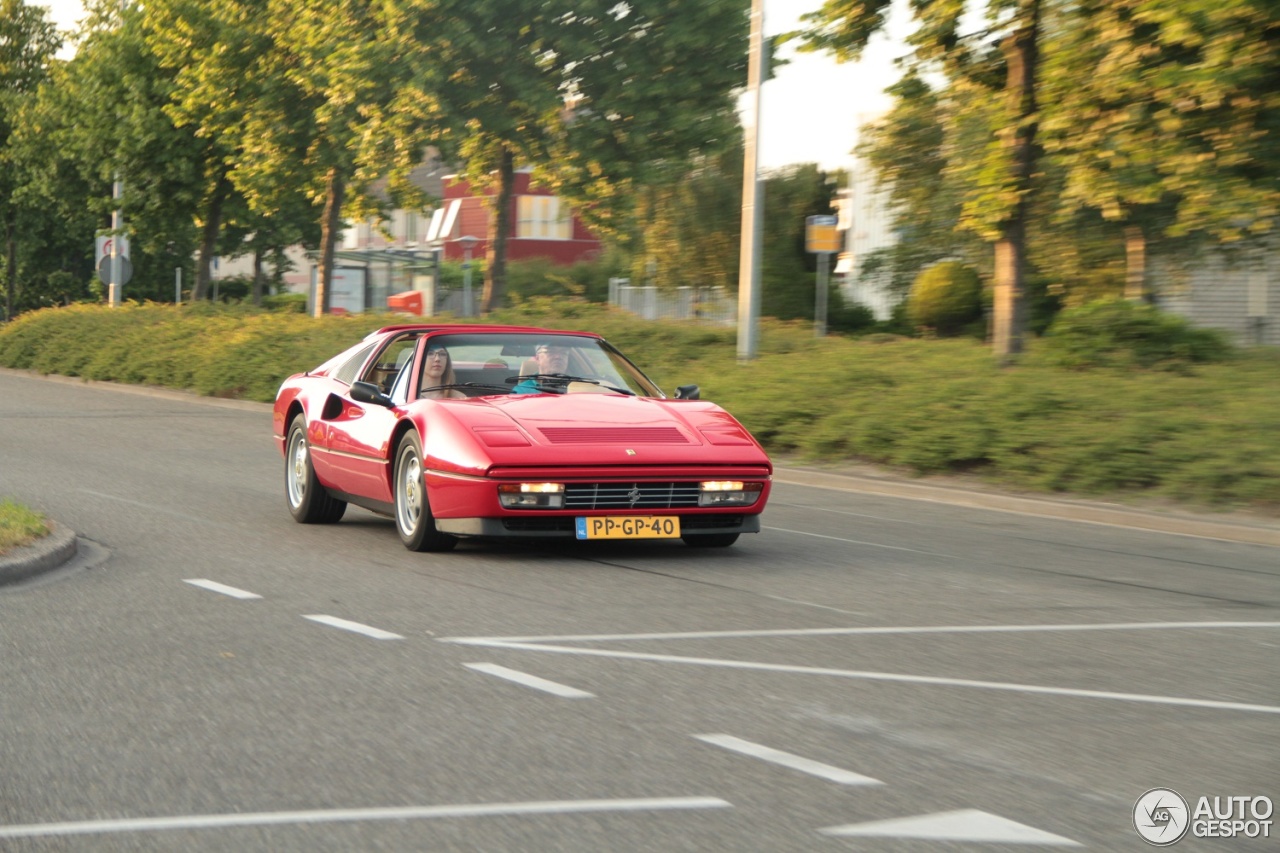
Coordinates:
752	196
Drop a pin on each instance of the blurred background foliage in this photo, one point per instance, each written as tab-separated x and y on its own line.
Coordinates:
1148	407
1156	135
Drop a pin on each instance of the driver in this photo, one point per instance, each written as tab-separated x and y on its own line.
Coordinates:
551	358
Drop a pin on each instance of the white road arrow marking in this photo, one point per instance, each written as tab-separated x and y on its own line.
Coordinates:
962	825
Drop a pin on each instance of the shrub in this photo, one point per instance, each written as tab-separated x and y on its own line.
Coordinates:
848	317
286	302
1115	332
946	298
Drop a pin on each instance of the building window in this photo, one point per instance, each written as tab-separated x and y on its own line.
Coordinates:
542	217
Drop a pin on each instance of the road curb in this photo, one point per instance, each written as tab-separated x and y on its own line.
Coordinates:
45	554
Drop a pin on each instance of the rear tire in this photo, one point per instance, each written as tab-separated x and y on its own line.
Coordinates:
309	502
414	522
711	540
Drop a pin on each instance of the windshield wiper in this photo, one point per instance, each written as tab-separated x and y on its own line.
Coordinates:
566	379
498	388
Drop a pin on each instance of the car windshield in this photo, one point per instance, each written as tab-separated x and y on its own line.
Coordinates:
523	363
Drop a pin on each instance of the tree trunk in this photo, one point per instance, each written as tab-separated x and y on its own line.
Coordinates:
1021	55
1135	264
330	227
11	265
495	280
209	237
258	276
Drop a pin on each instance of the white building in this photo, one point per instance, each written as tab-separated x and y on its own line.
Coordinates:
867	225
1234	292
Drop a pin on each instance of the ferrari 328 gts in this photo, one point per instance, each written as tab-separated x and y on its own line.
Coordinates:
501	431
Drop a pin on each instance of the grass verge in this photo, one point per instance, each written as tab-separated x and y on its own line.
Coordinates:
19	526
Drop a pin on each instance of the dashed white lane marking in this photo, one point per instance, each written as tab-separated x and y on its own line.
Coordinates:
787	759
528	680
900	678
821	632
214	586
962	825
150	824
354	627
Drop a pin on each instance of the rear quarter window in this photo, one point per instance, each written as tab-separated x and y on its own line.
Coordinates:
347	373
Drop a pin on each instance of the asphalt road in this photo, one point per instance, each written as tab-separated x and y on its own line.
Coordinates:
868	673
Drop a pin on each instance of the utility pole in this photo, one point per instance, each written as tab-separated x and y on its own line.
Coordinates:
117	233
752	197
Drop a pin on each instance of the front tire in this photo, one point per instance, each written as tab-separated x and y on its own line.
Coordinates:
414	522
309	502
711	540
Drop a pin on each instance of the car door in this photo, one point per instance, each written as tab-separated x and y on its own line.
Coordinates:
359	434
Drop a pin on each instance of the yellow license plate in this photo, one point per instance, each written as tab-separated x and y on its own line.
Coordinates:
629	527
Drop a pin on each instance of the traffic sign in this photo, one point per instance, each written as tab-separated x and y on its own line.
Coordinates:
820	234
104	270
102	247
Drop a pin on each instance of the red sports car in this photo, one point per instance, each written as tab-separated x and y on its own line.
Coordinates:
504	431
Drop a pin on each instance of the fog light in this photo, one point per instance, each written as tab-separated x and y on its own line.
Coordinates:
531	495
728	493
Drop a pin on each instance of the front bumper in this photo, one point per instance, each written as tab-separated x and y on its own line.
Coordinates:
562	526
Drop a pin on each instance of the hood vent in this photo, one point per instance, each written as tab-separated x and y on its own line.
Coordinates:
613	435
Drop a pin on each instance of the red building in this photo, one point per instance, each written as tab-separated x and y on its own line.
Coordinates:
543	225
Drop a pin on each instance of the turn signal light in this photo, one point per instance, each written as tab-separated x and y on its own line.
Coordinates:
728	493
531	495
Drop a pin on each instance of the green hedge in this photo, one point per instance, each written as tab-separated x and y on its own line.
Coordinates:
1207	434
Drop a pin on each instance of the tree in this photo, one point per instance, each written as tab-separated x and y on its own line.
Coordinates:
56	217
107	115
599	97
686	228
315	99
1164	117
788	270
28	41
909	151
998	202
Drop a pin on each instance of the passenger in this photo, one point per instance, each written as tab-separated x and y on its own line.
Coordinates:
550	358
437	370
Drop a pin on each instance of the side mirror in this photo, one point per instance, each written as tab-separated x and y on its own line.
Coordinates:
367	392
688	392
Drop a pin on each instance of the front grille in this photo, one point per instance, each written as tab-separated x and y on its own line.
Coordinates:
638	496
